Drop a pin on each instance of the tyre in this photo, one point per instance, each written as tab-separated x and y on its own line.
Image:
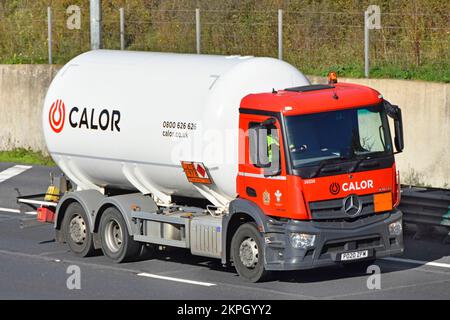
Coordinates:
76	230
147	251
247	252
359	266
117	243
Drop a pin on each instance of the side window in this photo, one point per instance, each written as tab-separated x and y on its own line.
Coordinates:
264	146
253	132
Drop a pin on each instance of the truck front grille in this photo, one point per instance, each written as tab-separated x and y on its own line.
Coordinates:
333	210
341	246
357	222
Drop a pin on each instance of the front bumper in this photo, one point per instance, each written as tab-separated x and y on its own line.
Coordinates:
332	239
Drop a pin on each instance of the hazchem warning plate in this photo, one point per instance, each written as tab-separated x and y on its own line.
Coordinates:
196	172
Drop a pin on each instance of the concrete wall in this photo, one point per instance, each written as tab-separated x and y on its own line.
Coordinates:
425	105
426	117
22	93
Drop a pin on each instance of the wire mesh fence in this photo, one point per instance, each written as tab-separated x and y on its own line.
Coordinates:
314	39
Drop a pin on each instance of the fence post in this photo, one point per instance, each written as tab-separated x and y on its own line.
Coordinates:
96	24
49	29
122	28
197	29
366	44
280	34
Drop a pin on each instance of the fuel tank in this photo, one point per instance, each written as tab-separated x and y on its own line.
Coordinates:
127	119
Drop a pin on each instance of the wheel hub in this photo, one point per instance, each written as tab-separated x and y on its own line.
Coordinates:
248	253
113	236
78	229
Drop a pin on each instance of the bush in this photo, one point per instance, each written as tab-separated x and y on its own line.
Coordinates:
318	36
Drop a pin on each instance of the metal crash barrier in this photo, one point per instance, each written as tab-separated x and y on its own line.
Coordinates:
426	208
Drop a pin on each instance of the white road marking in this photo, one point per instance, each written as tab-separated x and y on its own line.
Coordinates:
419	262
13	171
155	276
17	211
8	174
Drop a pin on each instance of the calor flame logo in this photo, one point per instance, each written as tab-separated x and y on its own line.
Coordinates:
56	115
335	188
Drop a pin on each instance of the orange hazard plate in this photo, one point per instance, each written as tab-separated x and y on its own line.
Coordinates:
382	201
196	172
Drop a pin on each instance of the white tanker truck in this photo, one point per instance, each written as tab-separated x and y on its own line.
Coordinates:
235	158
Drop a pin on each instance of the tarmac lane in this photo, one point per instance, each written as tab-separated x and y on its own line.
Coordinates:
34	266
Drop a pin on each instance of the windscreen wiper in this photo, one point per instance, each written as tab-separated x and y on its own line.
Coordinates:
360	160
325	162
356	165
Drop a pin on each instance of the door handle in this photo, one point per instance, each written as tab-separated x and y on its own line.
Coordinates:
250	192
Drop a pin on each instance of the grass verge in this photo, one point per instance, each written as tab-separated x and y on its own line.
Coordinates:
26	156
429	72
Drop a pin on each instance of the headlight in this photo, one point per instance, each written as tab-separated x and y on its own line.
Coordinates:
395	228
302	240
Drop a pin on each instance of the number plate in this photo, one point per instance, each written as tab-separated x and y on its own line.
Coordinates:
346	256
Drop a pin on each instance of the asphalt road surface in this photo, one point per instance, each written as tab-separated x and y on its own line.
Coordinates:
34	266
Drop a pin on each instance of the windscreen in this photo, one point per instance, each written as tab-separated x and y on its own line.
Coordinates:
342	134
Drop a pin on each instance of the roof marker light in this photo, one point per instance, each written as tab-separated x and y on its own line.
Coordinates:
288	108
332	77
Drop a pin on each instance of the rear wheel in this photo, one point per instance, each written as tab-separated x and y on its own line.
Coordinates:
76	230
247	251
117	243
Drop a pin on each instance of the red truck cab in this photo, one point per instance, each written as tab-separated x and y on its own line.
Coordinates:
318	161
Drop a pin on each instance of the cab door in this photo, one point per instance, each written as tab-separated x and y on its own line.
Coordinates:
262	172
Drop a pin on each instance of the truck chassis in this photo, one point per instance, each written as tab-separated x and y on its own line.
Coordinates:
124	225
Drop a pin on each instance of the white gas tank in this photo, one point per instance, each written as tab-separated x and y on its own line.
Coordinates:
127	119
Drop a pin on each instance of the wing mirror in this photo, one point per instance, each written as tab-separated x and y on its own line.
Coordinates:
395	113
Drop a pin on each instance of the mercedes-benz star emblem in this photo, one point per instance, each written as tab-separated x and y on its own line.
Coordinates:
352	205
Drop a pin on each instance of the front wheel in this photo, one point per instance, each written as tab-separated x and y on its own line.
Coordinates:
117	243
247	251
